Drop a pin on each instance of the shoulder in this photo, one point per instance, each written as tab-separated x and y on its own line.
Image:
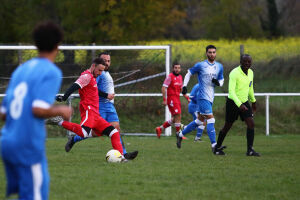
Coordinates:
47	68
234	72
219	64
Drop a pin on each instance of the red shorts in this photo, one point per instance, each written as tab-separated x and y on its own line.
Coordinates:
93	120
174	105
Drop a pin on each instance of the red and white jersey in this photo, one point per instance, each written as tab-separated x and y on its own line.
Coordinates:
174	84
88	91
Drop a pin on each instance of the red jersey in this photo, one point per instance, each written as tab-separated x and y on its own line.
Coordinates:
88	91
174	84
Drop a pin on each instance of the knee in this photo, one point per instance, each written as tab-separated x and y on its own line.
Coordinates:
109	131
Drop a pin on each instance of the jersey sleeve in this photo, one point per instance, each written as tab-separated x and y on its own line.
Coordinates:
251	92
46	89
83	80
195	68
220	75
167	81
231	89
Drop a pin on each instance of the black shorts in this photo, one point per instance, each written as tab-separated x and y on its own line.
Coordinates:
233	112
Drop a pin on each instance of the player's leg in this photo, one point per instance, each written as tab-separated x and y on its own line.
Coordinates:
231	115
34	181
102	127
167	123
248	117
193	111
12	178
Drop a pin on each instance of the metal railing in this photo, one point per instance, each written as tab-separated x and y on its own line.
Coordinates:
266	95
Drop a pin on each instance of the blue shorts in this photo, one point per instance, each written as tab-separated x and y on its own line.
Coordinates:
204	107
193	110
108	112
29	182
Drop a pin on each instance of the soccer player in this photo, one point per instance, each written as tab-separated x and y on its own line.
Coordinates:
107	109
193	107
240	89
92	124
210	75
29	97
171	96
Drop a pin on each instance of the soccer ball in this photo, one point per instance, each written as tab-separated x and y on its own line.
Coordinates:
113	156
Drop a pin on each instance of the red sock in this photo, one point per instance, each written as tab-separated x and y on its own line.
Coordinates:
177	127
116	143
76	128
166	124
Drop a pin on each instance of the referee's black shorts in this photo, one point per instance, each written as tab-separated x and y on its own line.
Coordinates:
233	112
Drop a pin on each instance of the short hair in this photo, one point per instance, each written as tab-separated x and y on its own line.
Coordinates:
99	61
210	47
175	63
103	53
47	36
244	55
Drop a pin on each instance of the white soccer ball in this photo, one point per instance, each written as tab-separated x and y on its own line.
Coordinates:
113	156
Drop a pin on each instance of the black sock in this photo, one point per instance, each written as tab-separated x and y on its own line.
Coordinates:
221	138
250	138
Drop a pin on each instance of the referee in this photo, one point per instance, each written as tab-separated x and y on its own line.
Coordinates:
240	88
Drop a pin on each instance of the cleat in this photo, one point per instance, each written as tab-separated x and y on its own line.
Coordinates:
179	139
252	153
158	131
197	139
54	120
70	143
184	138
219	153
124	160
131	155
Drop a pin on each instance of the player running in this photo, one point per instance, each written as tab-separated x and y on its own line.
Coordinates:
193	107
107	109
240	89
29	98
171	96
210	74
92	124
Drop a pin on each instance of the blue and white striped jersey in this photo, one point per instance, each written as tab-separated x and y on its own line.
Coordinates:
105	83
206	72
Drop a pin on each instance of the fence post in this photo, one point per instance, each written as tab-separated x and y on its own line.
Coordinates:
93	52
267	116
242	49
20	55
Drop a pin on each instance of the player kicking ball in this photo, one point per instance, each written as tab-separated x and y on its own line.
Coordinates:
171	96
92	124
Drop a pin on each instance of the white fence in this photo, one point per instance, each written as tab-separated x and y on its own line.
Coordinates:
266	95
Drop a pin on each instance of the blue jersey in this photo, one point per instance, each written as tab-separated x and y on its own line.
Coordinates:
33	84
194	93
105	84
206	72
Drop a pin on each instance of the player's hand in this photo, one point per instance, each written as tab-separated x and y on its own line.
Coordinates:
111	96
254	107
164	102
66	112
215	81
243	108
184	90
59	98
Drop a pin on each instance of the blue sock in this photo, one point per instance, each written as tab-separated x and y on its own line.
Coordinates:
77	138
199	132
189	128
123	146
211	132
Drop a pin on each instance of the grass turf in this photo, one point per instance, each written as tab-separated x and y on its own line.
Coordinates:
161	171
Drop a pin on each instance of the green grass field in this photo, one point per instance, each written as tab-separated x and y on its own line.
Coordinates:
161	171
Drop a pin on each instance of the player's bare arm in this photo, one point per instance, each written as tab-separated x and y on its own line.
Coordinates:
56	110
163	91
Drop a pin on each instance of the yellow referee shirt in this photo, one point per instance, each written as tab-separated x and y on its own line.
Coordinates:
241	86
